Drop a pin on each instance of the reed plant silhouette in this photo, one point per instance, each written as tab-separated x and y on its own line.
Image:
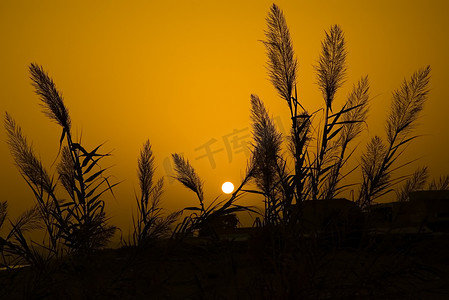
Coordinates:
415	182
418	181
150	224
378	161
16	250
78	224
320	154
441	184
318	160
321	151
46	205
282	68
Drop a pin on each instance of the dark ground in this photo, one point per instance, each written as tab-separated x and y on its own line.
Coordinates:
385	267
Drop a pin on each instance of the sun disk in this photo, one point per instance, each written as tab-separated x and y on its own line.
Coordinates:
227	187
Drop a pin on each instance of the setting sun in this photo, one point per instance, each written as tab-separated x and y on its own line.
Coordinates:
227	187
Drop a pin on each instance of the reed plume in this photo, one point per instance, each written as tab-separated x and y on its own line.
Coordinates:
408	102
282	64
267	158
415	182
441	184
40	183
29	165
354	119
52	101
145	171
267	142
186	174
331	68
65	169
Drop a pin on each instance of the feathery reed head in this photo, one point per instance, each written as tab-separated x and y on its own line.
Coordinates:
441	184
416	182
267	144
186	174
66	172
331	68
282	63
29	220
353	120
375	176
374	155
408	102
30	167
267	139
145	170
51	98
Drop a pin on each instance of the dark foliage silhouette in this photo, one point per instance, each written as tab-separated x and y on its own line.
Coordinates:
441	184
415	182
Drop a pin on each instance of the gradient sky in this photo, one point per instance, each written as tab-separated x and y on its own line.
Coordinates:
180	73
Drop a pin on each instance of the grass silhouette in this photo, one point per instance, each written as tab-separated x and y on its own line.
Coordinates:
77	225
319	160
378	160
150	223
317	172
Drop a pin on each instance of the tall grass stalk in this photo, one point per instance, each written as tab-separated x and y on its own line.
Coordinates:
282	68
39	181
380	159
331	70
150	223
270	167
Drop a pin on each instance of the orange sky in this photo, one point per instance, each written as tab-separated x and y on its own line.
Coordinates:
181	72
